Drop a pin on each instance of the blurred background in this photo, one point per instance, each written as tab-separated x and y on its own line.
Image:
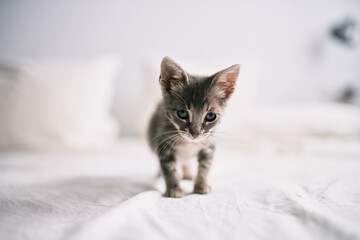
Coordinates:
290	51
79	82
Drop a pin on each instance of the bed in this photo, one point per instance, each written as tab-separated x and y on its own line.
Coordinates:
308	188
280	171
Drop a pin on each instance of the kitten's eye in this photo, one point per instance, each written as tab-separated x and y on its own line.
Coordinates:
210	117
182	114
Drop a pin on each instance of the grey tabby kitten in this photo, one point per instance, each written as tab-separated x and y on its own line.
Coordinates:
179	129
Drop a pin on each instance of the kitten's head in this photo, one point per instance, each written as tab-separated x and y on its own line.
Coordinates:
195	104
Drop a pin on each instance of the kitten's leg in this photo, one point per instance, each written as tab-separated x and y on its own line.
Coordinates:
205	160
168	167
187	175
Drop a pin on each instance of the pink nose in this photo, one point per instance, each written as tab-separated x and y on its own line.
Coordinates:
195	132
195	135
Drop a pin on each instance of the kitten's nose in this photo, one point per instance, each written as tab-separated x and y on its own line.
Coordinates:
195	133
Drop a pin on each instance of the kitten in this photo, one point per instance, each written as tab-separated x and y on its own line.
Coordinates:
181	127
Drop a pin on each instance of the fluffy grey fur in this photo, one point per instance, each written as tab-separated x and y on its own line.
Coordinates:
183	123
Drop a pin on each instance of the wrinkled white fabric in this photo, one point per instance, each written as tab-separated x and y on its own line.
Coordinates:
312	193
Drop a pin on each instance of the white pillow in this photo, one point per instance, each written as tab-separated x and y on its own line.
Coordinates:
290	124
57	104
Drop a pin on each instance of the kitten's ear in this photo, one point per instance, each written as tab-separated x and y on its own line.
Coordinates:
225	80
172	74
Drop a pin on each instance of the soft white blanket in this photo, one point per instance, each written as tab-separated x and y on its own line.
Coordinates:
311	193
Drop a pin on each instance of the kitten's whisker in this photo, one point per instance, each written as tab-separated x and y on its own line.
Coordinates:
226	134
232	138
177	140
163	141
173	139
170	131
220	140
215	137
208	141
162	134
166	139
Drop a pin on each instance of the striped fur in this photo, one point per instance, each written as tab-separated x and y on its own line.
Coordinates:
176	139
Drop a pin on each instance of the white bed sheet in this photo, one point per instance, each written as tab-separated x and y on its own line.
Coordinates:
308	194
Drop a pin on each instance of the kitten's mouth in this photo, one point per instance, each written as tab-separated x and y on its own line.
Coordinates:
196	139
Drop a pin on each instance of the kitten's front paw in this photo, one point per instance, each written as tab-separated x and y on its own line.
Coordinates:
202	189
175	192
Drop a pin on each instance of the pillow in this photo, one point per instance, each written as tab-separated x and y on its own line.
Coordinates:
57	104
290	125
